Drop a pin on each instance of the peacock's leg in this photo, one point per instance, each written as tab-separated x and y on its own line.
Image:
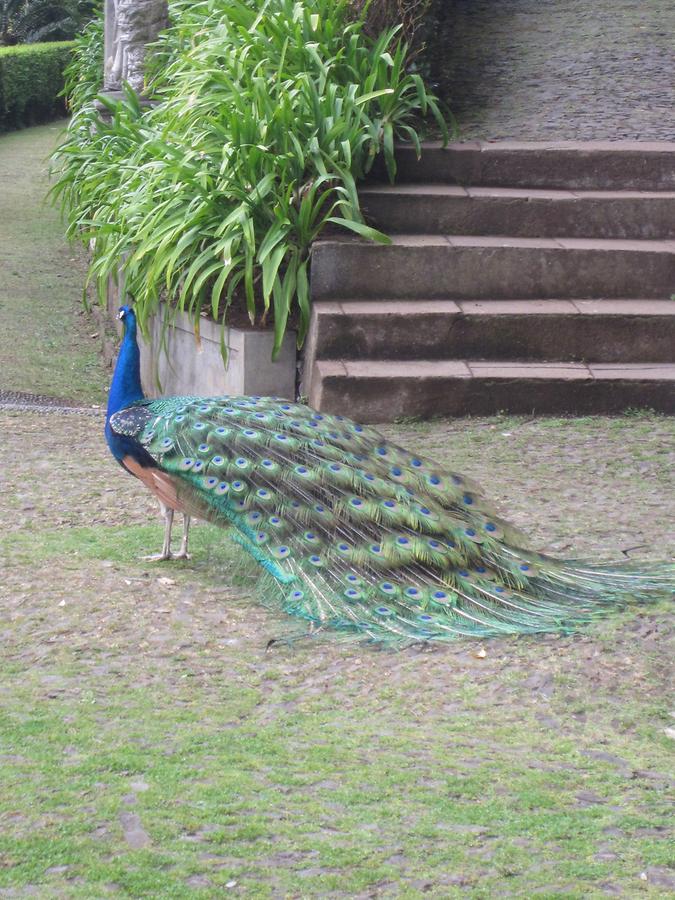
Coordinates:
183	552
167	512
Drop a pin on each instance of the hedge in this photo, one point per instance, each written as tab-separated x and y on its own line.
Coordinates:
31	79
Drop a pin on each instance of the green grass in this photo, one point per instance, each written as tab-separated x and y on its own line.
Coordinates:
151	747
45	338
327	795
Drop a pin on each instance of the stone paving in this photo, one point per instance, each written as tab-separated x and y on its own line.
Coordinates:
562	69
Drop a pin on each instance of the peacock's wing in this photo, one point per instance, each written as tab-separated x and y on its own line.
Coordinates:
357	532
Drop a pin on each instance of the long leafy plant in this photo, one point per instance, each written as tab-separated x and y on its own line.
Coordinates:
84	75
267	115
40	21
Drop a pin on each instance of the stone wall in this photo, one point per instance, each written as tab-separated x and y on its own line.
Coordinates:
556	69
173	361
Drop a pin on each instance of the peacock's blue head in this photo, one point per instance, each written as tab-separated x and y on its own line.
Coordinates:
127	316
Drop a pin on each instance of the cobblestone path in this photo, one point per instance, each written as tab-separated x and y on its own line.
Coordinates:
559	70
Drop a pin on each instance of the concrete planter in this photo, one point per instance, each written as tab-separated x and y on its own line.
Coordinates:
184	366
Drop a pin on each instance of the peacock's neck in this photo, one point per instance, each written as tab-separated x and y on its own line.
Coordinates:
125	388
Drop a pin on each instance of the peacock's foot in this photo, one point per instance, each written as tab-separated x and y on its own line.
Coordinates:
163	557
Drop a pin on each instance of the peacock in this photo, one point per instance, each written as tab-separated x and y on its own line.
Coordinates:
354	534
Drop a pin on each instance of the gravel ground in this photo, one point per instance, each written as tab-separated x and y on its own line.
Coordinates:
560	70
87	622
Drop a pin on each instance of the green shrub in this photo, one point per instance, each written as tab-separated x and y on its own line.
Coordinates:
267	117
84	72
31	78
38	21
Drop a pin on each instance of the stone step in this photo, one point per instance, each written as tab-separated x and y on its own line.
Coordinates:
567	330
386	390
521	212
569	165
474	268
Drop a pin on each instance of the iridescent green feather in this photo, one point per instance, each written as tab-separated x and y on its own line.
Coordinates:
360	534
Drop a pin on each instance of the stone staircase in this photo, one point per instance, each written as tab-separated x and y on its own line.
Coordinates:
521	278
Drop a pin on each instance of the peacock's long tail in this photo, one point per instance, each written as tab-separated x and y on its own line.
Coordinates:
360	535
510	591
